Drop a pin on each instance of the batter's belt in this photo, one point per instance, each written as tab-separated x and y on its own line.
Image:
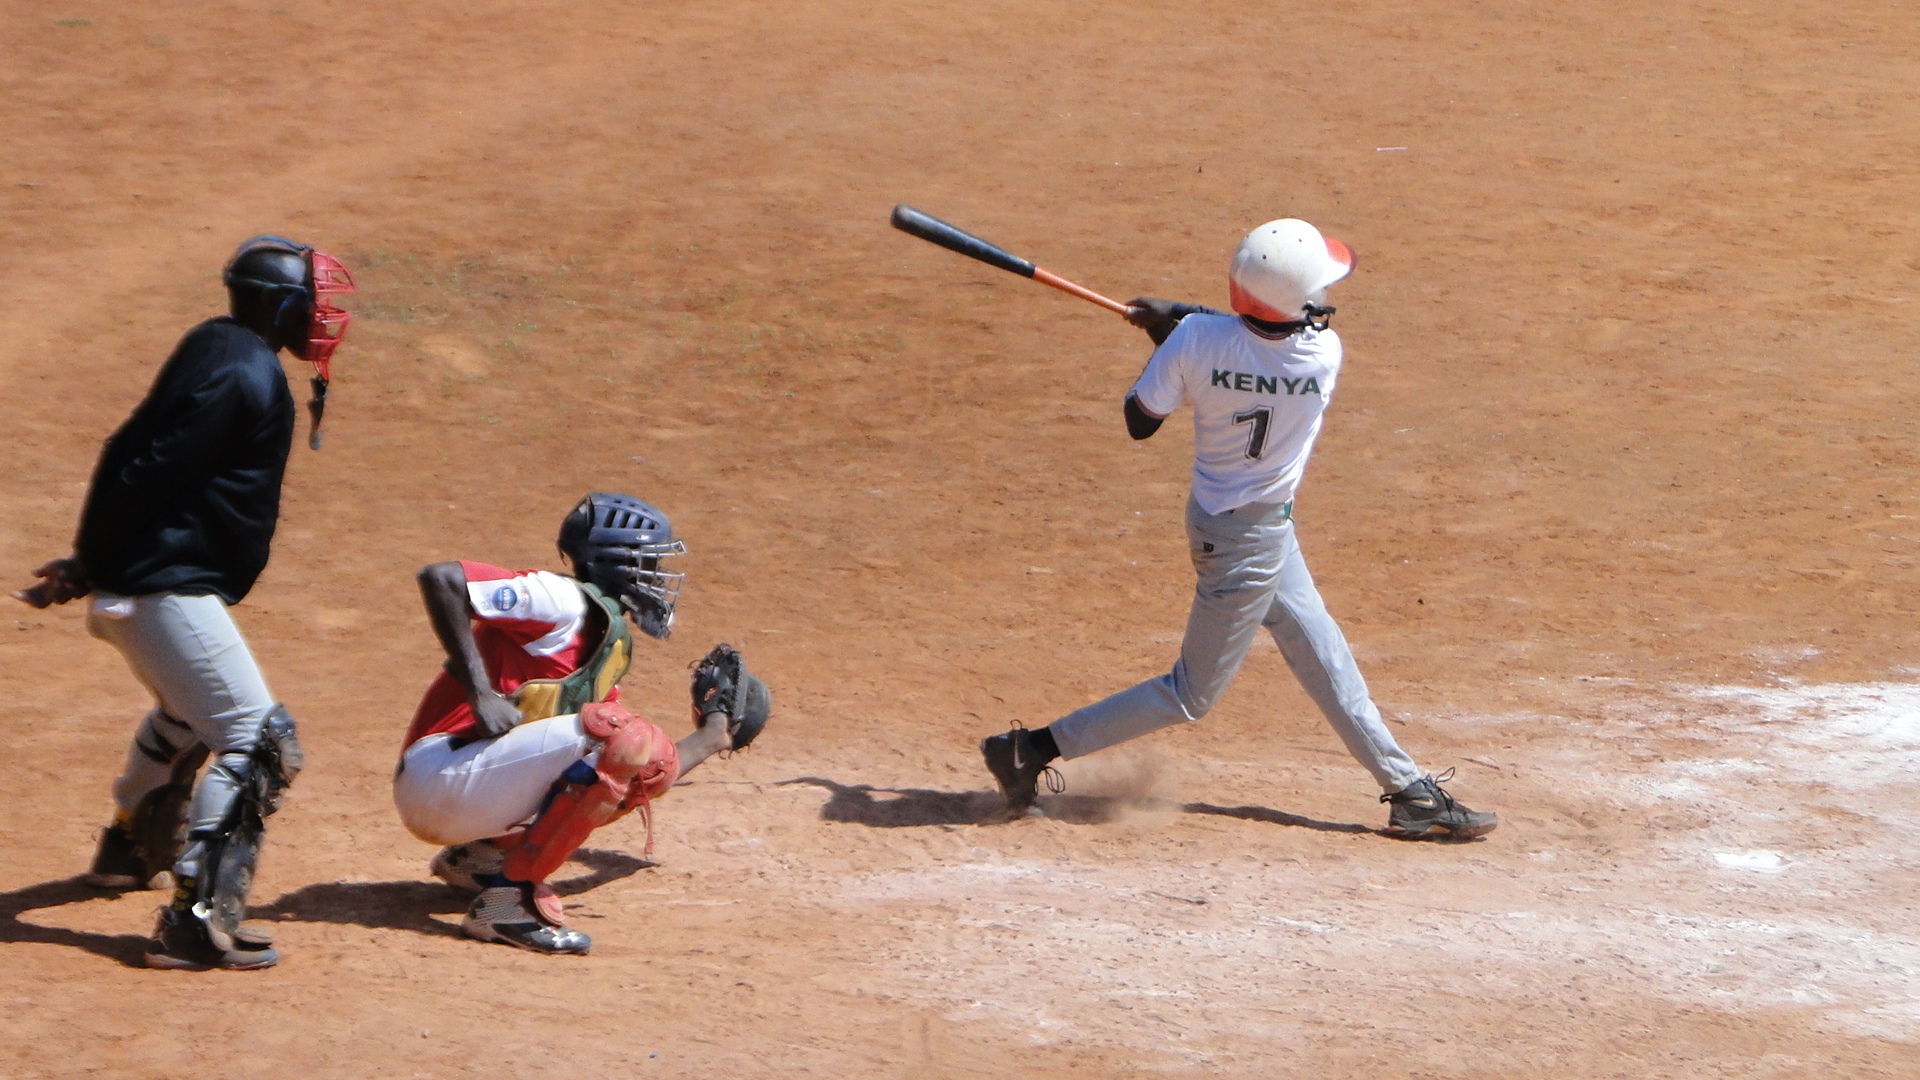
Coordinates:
1286	509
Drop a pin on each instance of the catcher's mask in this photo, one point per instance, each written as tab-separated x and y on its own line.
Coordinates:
617	543
301	301
1281	270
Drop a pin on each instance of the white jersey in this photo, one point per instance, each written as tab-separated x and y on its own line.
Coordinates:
1257	404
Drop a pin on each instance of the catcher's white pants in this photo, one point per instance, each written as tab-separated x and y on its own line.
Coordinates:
1250	574
450	792
207	689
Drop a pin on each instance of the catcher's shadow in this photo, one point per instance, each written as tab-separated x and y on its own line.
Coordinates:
390	905
412	905
893	808
127	949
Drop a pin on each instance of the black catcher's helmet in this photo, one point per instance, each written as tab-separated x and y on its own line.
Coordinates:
617	543
286	289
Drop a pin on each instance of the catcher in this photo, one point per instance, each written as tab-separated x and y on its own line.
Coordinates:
521	747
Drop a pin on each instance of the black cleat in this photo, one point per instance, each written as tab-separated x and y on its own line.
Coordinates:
1422	811
181	943
1017	769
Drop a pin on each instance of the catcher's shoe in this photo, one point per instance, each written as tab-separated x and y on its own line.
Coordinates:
181	943
120	864
1015	766
505	912
1422	811
464	865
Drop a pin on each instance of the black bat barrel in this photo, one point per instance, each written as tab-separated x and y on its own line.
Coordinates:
933	230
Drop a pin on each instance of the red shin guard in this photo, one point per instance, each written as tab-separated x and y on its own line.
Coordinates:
637	764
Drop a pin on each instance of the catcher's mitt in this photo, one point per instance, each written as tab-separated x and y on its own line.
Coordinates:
722	683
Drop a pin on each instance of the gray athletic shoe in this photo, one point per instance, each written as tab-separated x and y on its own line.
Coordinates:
1017	769
505	913
1422	811
463	865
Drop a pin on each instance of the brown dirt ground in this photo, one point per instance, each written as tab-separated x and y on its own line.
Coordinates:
1617	505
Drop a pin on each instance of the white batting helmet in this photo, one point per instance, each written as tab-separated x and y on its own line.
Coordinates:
1282	266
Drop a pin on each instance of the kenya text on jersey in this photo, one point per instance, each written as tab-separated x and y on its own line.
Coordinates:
1263	384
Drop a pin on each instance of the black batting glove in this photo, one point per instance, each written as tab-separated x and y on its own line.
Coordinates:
1158	317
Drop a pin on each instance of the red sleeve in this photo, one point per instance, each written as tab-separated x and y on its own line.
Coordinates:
479	571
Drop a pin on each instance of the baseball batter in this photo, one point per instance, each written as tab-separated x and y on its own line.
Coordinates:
1258	383
175	531
521	747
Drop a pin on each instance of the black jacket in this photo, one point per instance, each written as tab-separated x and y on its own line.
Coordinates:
187	492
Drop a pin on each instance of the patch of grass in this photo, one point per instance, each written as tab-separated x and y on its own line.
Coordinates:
385	312
75	24
510	350
565	314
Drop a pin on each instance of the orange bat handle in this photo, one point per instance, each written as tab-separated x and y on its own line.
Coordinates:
1048	277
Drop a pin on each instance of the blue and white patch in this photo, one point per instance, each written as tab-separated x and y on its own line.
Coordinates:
533	596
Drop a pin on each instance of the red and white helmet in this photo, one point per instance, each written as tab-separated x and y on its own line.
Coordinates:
1283	266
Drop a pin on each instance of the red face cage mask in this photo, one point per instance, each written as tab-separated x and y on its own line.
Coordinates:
328	323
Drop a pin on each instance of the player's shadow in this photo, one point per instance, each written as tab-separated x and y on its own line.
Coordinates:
892	808
1275	817
412	905
127	949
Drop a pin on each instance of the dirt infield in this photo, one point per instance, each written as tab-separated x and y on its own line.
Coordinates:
1617	504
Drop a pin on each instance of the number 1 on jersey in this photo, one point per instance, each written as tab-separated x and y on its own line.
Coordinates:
1261	417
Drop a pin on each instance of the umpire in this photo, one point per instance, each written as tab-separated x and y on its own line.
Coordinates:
176	529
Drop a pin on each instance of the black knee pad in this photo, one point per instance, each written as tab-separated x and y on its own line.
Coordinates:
278	742
276	759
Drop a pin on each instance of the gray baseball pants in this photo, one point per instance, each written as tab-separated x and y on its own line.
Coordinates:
1250	574
207	691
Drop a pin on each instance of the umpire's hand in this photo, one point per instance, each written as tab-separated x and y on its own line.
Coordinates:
61	580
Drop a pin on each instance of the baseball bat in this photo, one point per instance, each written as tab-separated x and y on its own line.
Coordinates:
933	230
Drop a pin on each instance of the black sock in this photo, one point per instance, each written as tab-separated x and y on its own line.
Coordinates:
1042	743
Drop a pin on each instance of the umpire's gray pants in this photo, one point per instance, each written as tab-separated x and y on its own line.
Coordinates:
207	691
1250	574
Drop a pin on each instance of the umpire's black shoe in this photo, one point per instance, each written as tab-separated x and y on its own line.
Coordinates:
1017	768
1423	811
181	943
